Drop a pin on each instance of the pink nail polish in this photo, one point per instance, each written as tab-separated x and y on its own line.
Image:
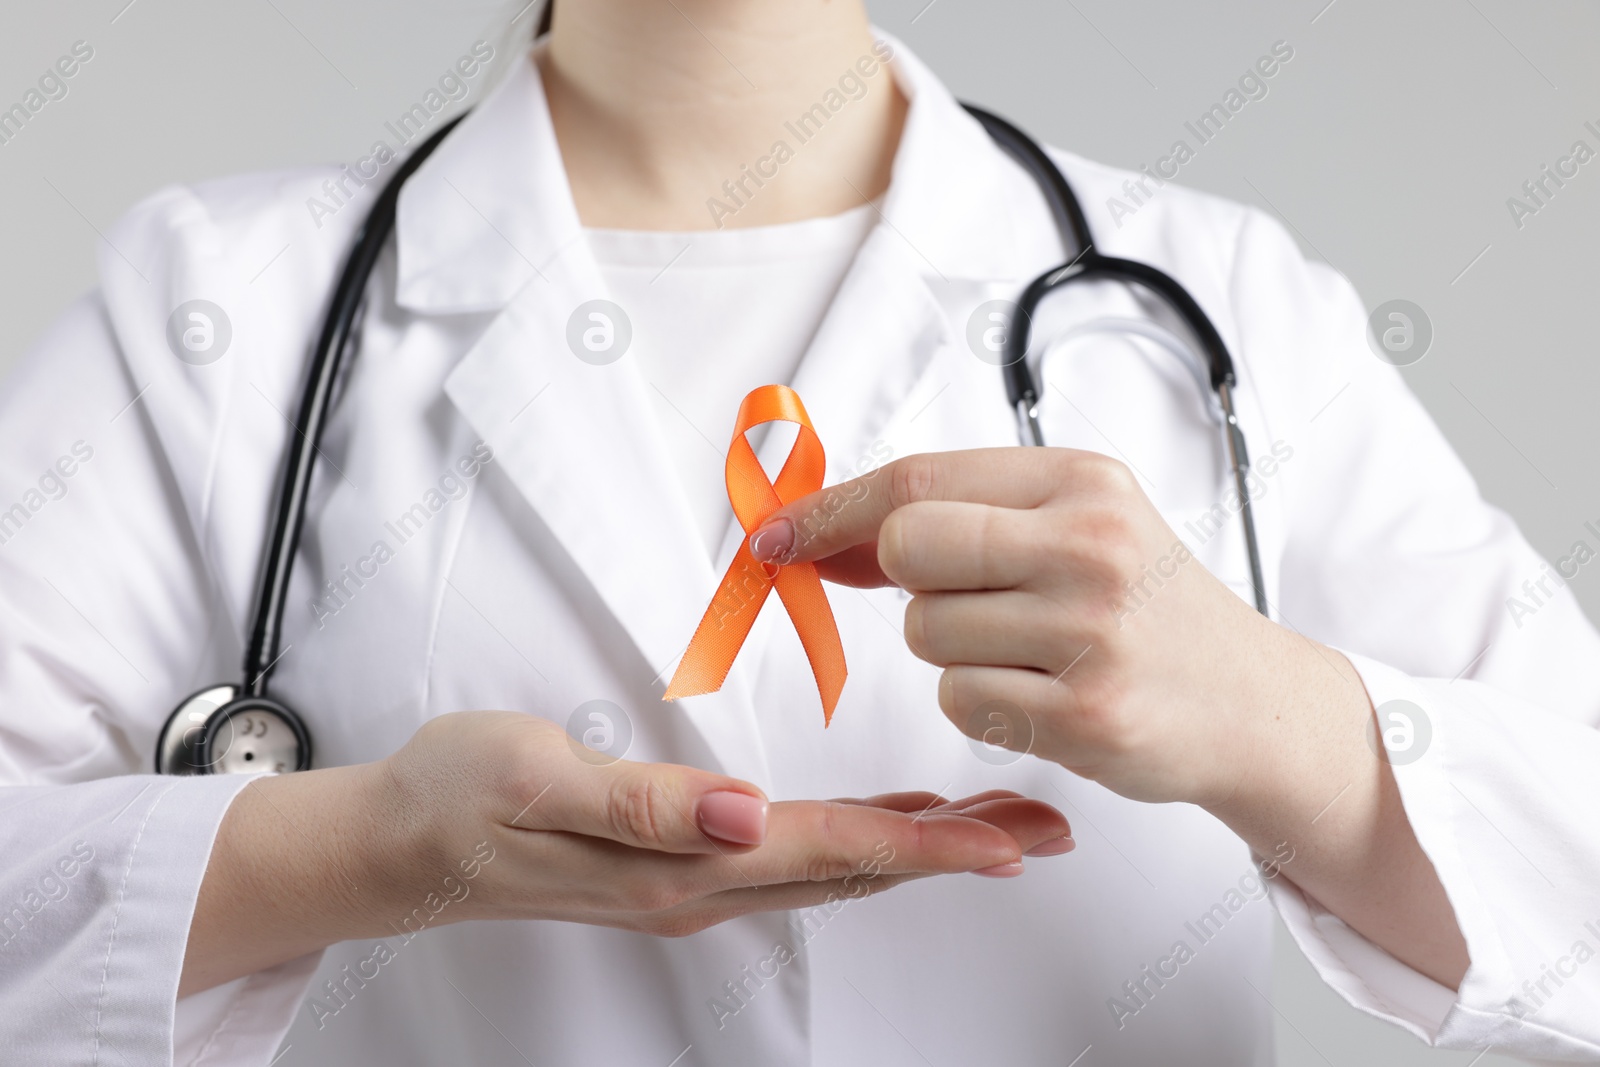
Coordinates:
1054	847
773	542
735	817
1001	870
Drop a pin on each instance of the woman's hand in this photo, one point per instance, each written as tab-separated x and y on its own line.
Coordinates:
494	815
661	848
1060	606
1071	620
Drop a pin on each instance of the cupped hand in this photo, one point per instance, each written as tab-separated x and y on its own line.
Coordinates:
504	799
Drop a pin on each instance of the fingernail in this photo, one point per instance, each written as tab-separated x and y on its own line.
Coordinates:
736	817
773	541
1001	870
1053	847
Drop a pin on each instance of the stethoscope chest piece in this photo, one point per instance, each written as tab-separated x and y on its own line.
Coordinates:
215	731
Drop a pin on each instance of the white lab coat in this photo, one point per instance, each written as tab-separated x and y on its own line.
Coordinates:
569	570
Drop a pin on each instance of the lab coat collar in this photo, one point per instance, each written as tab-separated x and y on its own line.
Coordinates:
491	210
948	196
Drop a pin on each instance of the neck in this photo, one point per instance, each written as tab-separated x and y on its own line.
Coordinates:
701	114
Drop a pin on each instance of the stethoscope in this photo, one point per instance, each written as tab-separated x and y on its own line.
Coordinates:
237	728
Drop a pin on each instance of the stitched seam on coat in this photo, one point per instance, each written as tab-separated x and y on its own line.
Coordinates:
240	997
1235	265
116	915
448	565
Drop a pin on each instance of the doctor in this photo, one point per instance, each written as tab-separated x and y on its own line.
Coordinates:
508	516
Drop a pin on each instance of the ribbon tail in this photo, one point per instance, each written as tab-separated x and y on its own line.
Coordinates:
723	629
800	588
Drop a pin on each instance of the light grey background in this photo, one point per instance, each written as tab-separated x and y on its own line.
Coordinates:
1389	144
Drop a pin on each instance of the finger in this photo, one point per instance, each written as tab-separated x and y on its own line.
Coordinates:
815	841
1005	707
1030	822
999	629
658	806
910	803
841	516
957	806
812	842
789	896
808	841
923	803
856	567
952	544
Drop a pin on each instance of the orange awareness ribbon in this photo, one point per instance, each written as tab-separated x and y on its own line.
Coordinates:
726	623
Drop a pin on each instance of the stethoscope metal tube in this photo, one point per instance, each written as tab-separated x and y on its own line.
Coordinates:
239	728
1239	455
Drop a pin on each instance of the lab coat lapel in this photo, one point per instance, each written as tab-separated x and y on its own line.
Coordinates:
947	240
580	444
488	225
868	354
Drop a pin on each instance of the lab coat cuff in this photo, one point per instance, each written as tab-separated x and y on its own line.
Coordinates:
1370	978
177	822
243	1021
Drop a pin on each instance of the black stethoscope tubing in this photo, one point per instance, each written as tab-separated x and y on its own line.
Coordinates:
1022	387
289	517
1022	392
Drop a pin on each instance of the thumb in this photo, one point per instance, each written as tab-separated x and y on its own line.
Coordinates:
659	806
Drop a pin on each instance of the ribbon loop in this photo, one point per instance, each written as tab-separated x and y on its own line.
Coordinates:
744	589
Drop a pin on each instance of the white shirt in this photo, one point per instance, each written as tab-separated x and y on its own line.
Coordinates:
540	587
716	314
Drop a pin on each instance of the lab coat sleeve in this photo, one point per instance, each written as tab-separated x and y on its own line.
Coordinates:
1393	557
106	620
99	882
